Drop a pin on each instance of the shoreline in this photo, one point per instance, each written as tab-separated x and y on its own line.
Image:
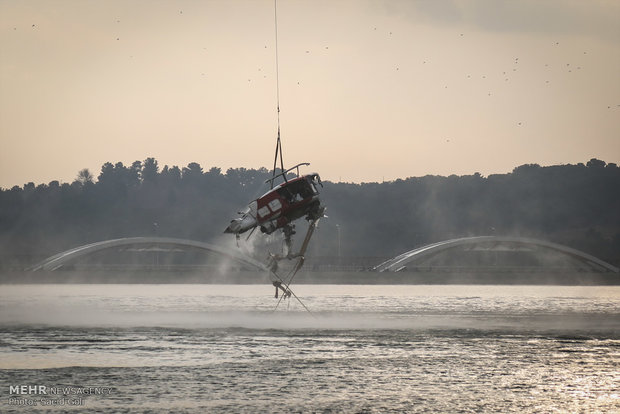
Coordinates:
144	276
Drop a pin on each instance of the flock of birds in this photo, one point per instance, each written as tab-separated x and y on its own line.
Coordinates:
505	75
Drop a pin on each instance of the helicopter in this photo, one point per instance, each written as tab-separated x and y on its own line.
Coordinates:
278	209
281	205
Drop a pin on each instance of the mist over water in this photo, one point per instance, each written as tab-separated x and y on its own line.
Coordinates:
222	348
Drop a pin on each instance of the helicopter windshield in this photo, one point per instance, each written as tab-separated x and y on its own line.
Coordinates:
297	191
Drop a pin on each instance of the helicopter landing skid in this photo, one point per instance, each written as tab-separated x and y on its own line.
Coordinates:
281	283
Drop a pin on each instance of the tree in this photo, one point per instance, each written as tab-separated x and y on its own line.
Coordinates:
594	163
150	170
192	174
193	170
84	177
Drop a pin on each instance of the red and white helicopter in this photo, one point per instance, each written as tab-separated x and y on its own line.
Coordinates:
282	204
278	209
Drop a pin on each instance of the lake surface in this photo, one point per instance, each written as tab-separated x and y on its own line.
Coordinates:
223	348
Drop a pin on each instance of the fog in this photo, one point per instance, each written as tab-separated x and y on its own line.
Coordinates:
333	307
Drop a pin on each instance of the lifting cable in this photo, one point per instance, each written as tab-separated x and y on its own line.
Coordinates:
278	142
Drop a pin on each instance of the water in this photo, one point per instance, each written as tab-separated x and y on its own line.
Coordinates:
221	348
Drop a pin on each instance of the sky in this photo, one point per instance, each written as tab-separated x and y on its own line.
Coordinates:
369	90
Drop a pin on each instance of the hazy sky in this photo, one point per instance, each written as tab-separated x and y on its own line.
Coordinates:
369	90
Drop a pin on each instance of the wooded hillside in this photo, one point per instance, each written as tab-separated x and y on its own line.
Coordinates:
575	205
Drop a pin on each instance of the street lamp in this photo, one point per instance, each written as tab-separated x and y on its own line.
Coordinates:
338	228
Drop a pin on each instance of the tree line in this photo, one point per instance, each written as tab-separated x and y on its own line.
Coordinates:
575	205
